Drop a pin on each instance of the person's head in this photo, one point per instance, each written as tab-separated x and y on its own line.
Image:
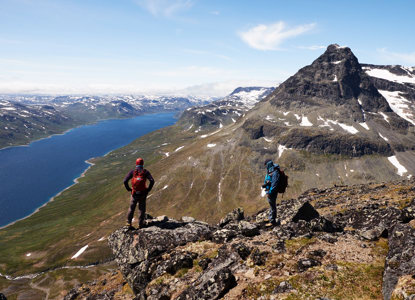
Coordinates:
268	163
139	164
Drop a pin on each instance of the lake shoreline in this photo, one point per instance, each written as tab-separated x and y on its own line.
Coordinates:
75	180
78	126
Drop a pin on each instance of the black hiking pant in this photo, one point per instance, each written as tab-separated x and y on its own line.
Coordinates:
272	200
139	198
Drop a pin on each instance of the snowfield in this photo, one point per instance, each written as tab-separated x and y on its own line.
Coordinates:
394	161
79	252
387	75
399	105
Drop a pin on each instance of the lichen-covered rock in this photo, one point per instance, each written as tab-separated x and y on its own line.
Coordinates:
188	219
216	280
283	287
372	221
258	257
248	229
243	250
400	260
138	252
234	216
215	287
204	263
307	263
175	262
223	235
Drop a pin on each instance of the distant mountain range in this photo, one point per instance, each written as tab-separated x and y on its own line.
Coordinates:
26	118
224	111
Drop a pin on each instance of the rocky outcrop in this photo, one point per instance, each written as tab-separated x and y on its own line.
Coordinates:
151	253
140	253
400	260
330	243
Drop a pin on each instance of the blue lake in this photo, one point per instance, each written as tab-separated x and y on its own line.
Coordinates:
31	175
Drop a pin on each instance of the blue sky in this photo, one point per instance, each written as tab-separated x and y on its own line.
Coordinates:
203	47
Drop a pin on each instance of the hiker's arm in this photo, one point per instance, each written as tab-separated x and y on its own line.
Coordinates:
274	181
126	179
151	179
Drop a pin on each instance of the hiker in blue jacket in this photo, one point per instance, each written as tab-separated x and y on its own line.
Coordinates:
271	181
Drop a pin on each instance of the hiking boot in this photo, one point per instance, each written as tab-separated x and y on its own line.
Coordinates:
130	227
141	226
272	223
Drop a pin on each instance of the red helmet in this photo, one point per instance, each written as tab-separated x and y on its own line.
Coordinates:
139	161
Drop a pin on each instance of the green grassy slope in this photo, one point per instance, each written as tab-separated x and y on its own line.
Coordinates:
197	180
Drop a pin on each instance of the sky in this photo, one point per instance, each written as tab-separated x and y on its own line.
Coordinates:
199	47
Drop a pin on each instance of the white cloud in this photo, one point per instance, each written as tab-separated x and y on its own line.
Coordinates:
313	47
166	8
396	57
224	88
270	37
215	89
215	12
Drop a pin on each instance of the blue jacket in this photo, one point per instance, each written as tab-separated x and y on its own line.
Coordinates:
273	176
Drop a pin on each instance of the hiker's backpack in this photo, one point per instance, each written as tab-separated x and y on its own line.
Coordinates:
138	181
282	183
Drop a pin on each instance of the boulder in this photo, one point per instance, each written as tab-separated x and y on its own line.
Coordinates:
400	260
204	263
223	235
243	250
213	287
248	229
138	252
306	212
187	219
258	258
234	216
370	222
175	262
306	263
216	280
283	287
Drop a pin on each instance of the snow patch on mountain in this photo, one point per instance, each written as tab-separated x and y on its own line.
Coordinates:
394	161
384	116
399	105
383	137
305	122
348	128
77	254
387	75
364	125
281	149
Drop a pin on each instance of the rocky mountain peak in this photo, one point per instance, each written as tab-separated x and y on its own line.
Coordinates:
337	55
335	78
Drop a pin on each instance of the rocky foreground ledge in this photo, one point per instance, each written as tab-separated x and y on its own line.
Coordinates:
340	243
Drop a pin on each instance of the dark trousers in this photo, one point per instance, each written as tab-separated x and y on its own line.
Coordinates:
272	200
141	200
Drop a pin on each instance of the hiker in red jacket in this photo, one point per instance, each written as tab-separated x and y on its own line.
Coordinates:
139	191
